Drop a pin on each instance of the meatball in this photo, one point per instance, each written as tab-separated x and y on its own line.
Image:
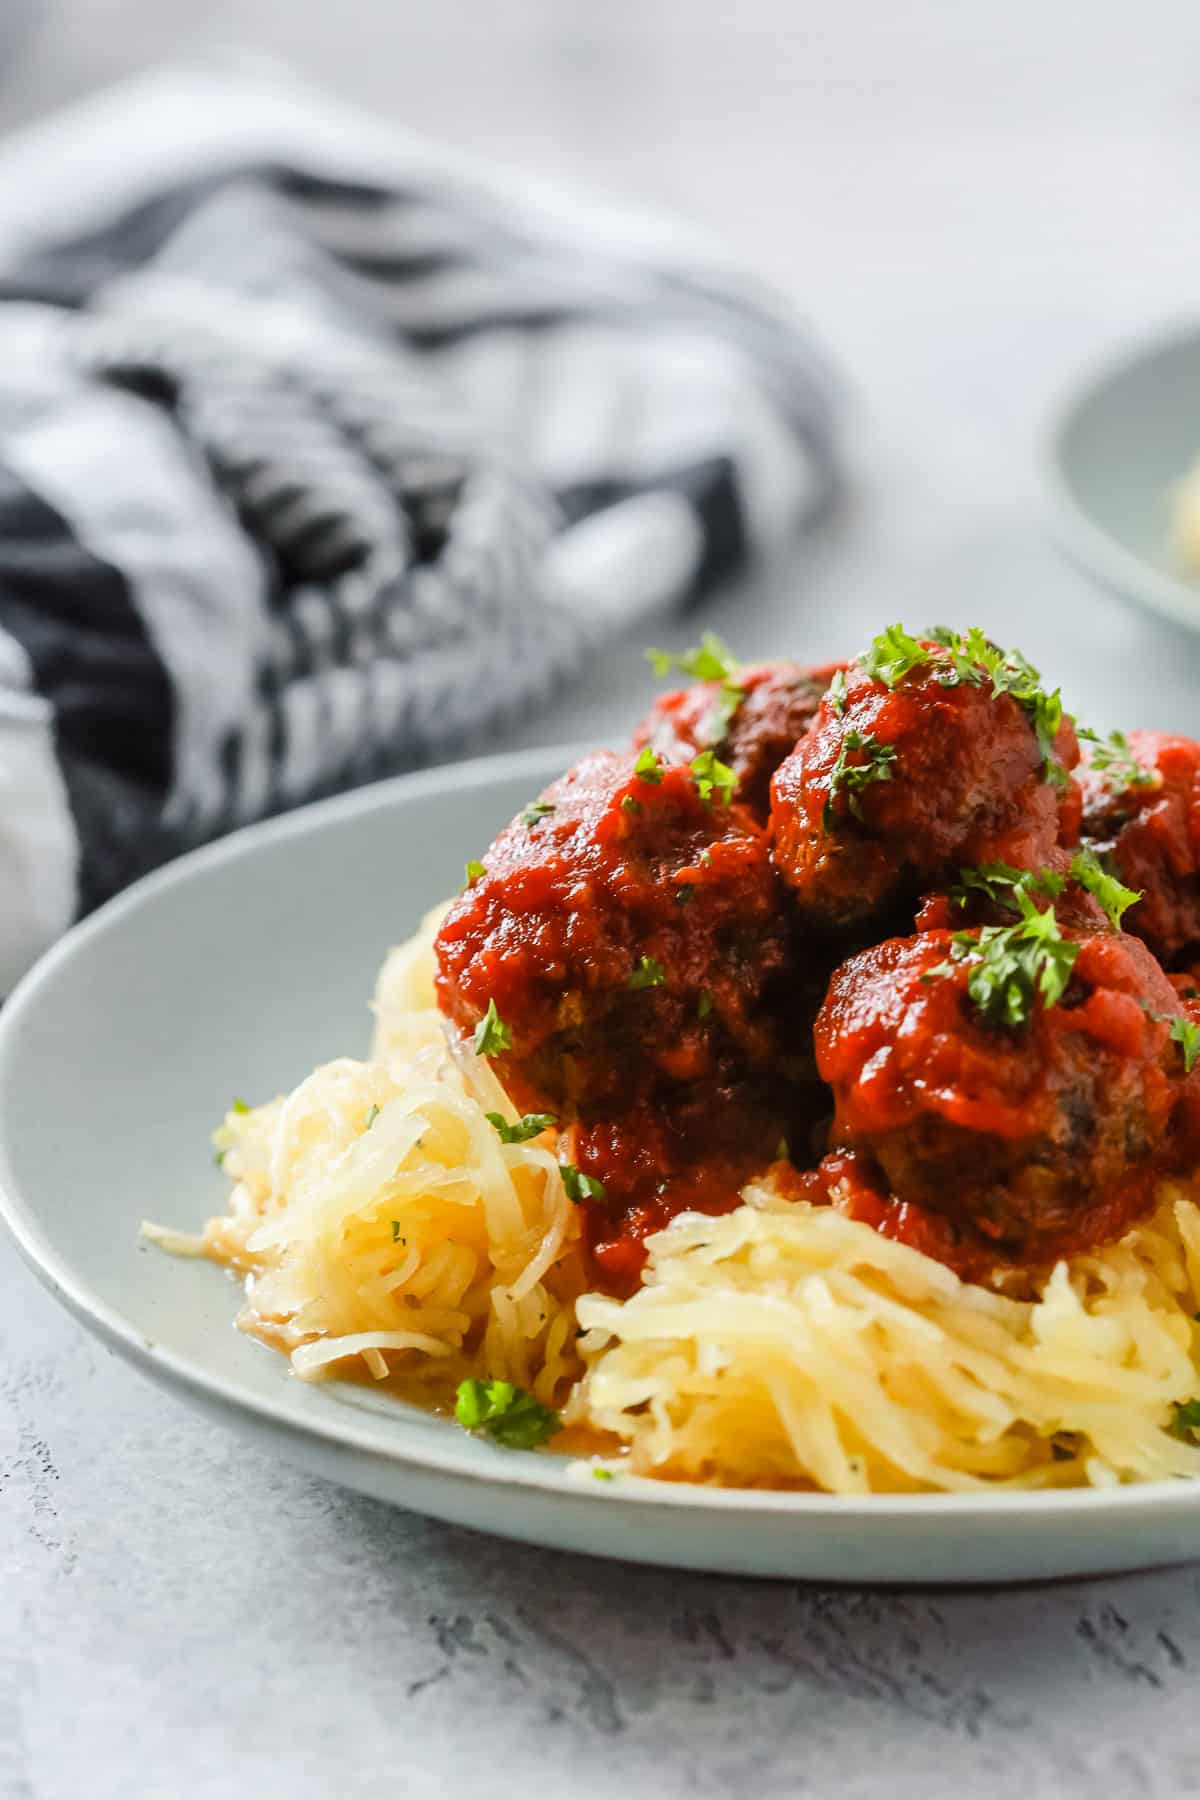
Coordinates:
628	932
894	788
753	733
1019	1134
1141	813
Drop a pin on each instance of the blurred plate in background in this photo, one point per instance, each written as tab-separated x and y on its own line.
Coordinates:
1117	452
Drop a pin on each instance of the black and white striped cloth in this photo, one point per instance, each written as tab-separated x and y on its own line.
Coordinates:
322	452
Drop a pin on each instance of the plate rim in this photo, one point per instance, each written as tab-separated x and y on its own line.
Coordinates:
459	1458
1087	543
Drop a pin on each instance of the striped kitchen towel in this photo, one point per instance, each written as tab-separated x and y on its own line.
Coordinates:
323	452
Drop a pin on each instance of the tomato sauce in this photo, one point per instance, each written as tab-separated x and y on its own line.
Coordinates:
697	991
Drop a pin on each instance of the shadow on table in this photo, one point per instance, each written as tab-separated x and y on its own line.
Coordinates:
615	1646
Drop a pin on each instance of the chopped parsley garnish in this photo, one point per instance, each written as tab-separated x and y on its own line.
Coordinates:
711	660
475	871
706	859
998	881
530	1125
1187	1036
1113	895
704	1004
629	804
724	709
1113	758
1013	965
648	767
372	1115
1045	713
579	1186
1186	1417
852	778
603	1475
974	658
712	776
506	1413
537	809
219	1158
835	693
492	1035
649	973
971	659
893	655
396	1238
240	1106
685	894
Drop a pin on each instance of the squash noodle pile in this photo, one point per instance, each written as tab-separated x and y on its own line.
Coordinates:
378	1217
382	1225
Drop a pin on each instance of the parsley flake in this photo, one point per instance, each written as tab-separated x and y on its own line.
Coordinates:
1186	1417
852	778
475	871
579	1186
704	1004
629	804
1113	895
603	1475
1187	1036
712	776
835	693
1012	966
1113	758
711	660
649	973
724	710
492	1035
396	1238
372	1115
530	1125
999	881
972	658
648	767
893	655
240	1106
506	1413
537	809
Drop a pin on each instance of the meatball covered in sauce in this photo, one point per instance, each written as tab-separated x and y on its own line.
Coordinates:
628	933
1141	813
1031	1137
751	721
692	1151
899	783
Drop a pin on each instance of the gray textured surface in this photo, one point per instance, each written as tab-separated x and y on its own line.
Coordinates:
973	203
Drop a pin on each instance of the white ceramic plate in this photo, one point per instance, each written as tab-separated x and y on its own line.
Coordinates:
234	972
1116	449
